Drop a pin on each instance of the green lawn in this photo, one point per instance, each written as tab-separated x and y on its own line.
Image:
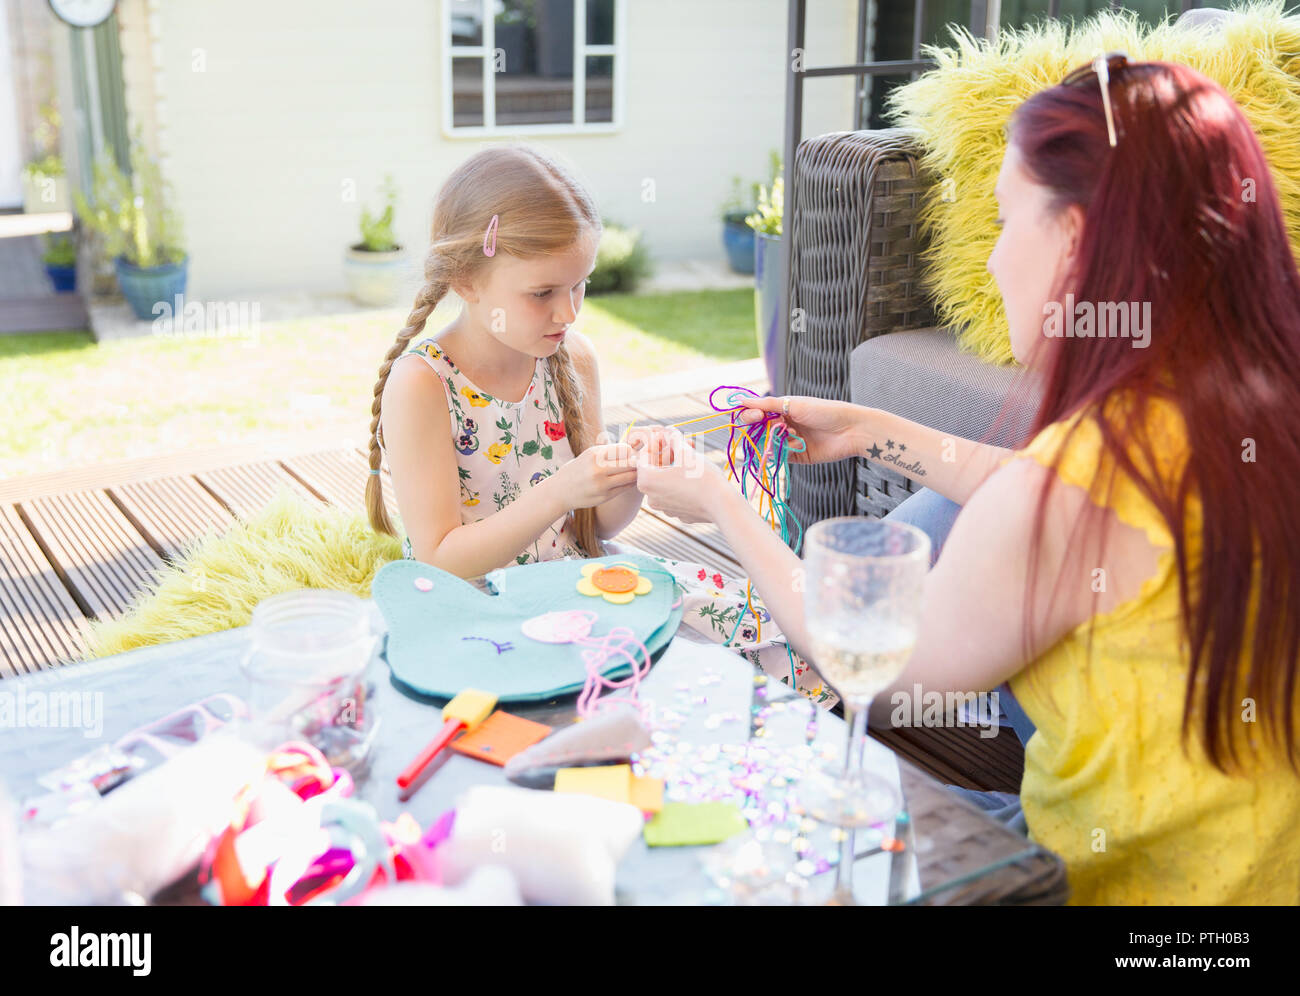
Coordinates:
72	402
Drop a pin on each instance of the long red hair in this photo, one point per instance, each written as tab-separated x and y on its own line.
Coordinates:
1182	213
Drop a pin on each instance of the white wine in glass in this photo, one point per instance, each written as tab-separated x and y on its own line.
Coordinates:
862	610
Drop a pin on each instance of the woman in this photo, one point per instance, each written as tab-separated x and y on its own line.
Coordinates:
1134	571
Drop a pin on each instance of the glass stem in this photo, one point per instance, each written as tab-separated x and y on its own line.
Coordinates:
856	714
844	870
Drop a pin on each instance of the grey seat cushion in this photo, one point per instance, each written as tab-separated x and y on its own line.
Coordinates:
921	375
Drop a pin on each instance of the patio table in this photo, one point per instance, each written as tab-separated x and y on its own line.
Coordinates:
952	853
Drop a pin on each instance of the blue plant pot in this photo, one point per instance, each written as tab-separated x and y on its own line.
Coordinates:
145	287
64	278
738	240
769	305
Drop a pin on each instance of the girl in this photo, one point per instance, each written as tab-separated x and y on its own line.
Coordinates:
493	428
1134	571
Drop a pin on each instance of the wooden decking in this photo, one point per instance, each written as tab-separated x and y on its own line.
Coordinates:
81	545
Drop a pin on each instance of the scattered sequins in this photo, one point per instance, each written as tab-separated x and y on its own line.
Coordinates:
785	847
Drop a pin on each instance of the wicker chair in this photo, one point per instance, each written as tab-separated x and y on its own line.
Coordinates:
862	325
856	275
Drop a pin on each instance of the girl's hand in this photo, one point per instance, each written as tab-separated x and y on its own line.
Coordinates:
600	472
829	429
653	443
684	484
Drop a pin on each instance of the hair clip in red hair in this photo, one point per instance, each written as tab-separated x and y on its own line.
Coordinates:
491	233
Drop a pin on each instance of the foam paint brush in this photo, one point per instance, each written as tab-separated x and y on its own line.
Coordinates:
463	713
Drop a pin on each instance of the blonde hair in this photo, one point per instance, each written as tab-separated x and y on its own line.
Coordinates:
542	209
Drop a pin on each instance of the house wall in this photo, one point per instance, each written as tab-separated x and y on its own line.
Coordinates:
262	112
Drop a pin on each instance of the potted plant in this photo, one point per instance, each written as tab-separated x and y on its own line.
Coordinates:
137	229
375	265
45	185
737	237
769	293
737	233
60	258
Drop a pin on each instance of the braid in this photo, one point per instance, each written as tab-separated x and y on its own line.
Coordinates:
425	301
569	397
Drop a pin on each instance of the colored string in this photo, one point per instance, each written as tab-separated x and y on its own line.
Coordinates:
573	626
618	642
754	463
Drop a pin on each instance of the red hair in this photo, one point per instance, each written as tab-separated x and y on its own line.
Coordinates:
1182	213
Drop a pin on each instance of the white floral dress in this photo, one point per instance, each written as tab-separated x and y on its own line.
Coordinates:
503	447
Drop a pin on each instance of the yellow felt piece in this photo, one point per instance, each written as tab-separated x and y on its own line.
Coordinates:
960	110
471	707
611	781
647	793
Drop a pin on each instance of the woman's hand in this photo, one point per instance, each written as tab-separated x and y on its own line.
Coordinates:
600	472
677	480
829	429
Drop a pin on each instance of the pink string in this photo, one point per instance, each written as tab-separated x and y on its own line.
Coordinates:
574	627
618	642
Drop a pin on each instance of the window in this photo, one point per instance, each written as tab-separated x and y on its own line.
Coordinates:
532	66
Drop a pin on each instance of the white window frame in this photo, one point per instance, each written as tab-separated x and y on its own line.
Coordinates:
581	51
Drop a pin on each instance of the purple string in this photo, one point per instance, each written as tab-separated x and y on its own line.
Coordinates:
756	431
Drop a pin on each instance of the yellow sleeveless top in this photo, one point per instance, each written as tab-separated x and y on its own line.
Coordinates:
1107	784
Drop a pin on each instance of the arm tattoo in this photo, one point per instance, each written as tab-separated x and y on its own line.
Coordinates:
895	454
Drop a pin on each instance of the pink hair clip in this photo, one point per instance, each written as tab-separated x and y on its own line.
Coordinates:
491	233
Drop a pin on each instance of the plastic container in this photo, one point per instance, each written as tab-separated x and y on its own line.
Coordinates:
306	671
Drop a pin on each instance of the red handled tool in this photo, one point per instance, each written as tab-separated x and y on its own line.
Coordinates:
465	712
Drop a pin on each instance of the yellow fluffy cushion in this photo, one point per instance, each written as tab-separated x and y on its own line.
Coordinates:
292	543
961	109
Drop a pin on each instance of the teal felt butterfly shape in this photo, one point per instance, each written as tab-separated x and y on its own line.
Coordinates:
445	635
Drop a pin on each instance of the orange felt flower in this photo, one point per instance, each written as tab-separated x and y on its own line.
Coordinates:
616	583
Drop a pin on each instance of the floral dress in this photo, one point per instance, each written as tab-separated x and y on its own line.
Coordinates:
503	447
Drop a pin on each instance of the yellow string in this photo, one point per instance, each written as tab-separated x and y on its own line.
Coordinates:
692	421
701	432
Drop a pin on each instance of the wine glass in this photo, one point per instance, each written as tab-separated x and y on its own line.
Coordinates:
861	608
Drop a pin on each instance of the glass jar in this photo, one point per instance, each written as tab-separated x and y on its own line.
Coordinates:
306	671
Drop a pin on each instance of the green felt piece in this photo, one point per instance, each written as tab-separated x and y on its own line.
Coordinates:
681	824
446	639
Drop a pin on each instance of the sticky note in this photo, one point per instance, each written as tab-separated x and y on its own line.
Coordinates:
610	781
686	823
500	737
647	793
